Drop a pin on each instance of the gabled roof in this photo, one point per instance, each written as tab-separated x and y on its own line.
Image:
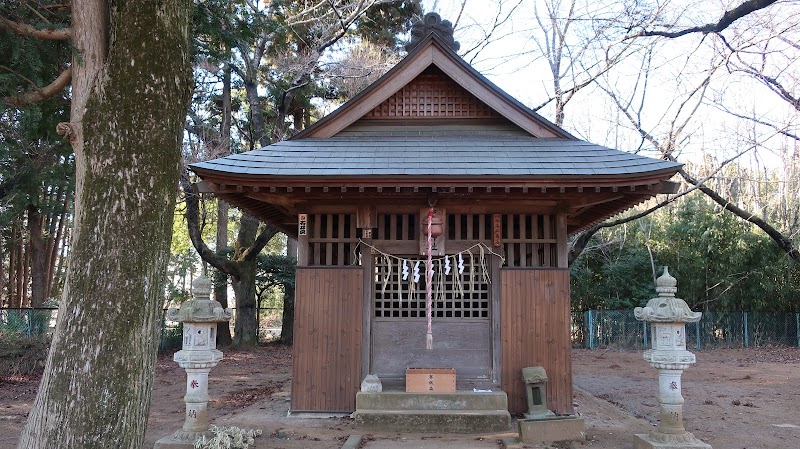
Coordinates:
386	144
443	156
433	51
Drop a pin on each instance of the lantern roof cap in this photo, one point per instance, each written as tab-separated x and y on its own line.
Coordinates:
201	309
666	308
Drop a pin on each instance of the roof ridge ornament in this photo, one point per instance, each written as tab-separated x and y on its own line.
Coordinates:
432	23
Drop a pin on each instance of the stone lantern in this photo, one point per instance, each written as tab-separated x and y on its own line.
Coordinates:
668	316
199	354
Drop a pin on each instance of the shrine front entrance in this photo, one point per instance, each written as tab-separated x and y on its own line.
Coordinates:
461	318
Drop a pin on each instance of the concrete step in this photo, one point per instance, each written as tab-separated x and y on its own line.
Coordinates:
460	400
433	421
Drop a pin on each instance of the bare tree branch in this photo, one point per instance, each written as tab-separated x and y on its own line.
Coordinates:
499	21
229	267
580	242
727	19
783	130
782	241
264	236
195	235
24	29
40	94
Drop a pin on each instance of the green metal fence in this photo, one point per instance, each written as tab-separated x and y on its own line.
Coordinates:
619	329
27	322
592	329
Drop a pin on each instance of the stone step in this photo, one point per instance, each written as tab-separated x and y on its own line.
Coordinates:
433	421
460	400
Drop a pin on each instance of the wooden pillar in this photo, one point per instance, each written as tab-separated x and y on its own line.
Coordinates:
302	241
366	220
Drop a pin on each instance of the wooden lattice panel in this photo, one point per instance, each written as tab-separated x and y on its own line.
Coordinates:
331	239
464	296
528	240
432	95
397	227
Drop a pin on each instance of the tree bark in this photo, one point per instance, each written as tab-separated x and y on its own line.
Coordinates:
38	257
245	331
25	272
287	321
12	267
256	112
221	279
131	87
3	298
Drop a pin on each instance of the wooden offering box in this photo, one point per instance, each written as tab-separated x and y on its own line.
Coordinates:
430	380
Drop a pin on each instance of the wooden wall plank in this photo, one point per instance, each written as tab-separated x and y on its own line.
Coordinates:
535	331
326	360
461	344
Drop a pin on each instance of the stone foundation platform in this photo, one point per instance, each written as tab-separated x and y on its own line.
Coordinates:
549	429
459	412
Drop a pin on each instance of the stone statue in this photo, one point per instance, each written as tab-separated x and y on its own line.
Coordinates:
371	384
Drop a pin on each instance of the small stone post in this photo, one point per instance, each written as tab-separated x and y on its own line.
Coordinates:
199	354
668	316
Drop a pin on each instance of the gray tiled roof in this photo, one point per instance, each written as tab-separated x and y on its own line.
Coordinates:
425	155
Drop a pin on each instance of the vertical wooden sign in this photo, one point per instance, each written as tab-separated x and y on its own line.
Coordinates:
497	230
302	224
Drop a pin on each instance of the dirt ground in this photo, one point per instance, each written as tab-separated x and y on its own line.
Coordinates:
735	399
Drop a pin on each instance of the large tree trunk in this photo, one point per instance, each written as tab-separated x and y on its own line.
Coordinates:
220	278
245	331
287	320
130	95
3	298
38	256
12	267
25	272
258	127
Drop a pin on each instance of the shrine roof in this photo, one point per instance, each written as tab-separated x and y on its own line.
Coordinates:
429	155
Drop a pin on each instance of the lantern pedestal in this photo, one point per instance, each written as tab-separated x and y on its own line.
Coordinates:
668	316
199	354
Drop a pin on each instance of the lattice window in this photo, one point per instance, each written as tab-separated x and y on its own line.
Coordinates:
332	238
397	227
465	296
469	227
530	240
432	94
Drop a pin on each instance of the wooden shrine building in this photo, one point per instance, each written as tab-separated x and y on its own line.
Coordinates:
356	188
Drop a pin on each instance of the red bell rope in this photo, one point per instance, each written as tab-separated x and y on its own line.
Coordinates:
429	283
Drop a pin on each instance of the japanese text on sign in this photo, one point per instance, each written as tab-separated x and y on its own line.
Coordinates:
302	224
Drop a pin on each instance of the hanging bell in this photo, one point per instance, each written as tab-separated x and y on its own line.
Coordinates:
437	224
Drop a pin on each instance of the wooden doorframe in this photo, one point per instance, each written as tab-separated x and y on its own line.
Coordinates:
368	265
494	314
